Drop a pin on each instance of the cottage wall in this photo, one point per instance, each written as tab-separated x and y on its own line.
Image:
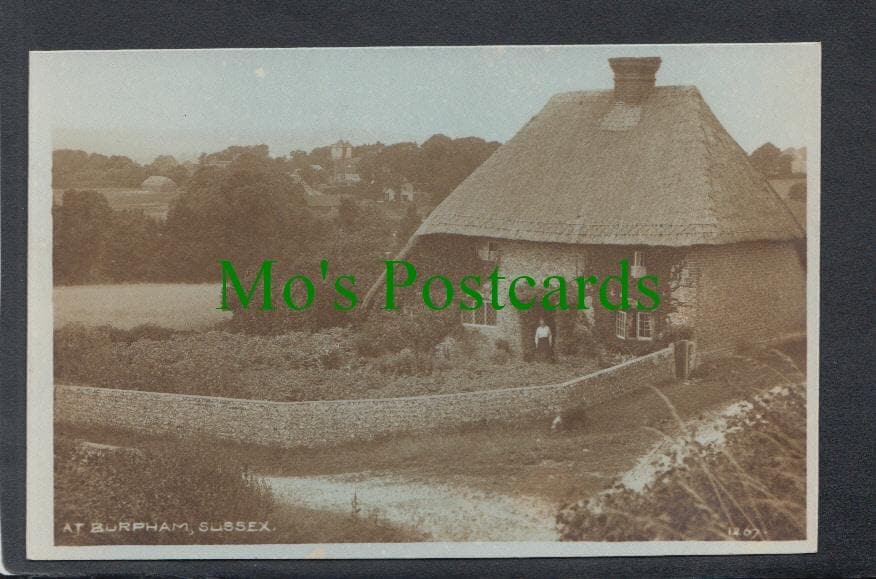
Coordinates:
540	260
747	293
537	260
723	295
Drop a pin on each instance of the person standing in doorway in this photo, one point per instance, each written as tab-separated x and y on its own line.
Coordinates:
544	342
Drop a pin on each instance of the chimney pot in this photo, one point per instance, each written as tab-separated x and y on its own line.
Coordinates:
634	78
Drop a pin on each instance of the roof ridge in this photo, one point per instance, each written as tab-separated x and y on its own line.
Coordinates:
703	112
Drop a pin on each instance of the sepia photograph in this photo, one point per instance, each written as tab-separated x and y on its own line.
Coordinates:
479	301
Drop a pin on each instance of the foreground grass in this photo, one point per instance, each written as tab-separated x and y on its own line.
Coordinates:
740	477
196	489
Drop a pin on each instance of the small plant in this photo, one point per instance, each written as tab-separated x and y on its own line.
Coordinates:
331	359
355	509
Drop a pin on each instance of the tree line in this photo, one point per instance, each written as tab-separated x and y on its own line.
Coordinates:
247	210
435	167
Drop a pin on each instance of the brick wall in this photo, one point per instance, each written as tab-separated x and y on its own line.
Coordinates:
322	423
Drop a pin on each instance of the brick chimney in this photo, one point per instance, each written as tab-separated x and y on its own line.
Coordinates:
634	77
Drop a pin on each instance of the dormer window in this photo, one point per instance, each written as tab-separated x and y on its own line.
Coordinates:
638	268
488	251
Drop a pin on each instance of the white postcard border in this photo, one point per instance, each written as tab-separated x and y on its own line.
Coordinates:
39	531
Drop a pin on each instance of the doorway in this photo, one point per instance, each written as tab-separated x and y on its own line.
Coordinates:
528	324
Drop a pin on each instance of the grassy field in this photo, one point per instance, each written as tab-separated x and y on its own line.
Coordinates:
152	203
176	306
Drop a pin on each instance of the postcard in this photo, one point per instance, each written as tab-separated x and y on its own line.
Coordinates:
482	301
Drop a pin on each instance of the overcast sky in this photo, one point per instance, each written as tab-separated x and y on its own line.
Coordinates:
144	103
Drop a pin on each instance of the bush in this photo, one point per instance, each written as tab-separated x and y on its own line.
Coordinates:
144	332
381	334
388	332
331	359
402	363
83	354
675	333
500	357
575	417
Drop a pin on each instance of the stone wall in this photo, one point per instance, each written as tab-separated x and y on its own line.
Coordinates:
323	423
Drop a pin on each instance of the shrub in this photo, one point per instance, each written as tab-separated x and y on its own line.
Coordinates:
143	332
403	363
388	332
675	333
82	354
503	345
380	334
331	359
501	357
574	417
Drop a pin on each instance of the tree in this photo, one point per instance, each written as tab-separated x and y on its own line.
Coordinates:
80	232
348	213
409	223
72	168
248	212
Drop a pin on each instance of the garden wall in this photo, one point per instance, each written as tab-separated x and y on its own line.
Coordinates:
328	422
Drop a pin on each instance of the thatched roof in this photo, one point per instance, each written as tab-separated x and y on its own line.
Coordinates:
589	170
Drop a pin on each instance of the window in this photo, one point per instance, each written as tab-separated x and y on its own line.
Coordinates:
644	327
638	269
639	258
620	325
489	251
483	316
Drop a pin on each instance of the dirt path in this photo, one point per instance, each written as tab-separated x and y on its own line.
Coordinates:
447	513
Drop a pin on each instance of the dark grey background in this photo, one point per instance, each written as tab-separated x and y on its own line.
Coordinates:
846	517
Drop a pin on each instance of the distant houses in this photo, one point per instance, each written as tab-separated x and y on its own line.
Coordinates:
345	167
158	183
404	192
798	160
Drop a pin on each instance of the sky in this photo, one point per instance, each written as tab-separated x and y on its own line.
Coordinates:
145	103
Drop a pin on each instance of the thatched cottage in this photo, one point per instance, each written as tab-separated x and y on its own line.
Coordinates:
641	172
